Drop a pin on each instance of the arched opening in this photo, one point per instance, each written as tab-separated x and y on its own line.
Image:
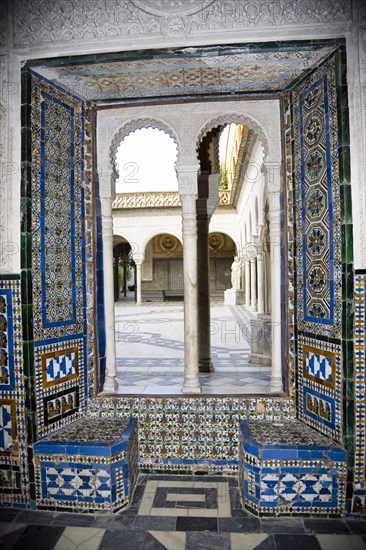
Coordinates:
162	270
145	161
237	152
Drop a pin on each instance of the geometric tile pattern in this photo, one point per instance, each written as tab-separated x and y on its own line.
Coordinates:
60	366
6	340
359	495
58	255
57	212
288	478
14	480
187	434
60	530
319	366
167	498
315	250
57	187
92	475
59	382
6	428
318	204
320	385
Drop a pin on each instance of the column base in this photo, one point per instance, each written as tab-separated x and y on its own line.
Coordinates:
260	359
205	365
191	387
110	385
276	385
233	297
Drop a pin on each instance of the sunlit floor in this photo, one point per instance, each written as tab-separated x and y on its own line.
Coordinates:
149	345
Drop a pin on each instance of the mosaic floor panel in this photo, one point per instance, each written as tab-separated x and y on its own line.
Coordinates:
230	528
149	345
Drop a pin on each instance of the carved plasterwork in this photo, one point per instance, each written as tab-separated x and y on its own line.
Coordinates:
171	7
61	21
186	124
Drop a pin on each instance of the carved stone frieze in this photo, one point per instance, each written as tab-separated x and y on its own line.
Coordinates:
65	21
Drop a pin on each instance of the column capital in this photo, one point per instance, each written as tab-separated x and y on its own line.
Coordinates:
138	258
106	207
274	206
272	172
106	178
187	179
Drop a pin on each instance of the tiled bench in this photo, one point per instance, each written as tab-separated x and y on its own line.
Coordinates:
91	465
288	468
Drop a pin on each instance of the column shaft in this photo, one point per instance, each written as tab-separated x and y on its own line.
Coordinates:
110	383
253	284
247	283
187	178
260	307
275	241
203	279
138	283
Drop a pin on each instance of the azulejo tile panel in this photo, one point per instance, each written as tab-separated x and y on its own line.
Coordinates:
359	496
59	169
318	216
190	434
320	385
90	465
60	382
14	480
58	211
296	471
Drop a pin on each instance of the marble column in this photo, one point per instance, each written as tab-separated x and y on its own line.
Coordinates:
188	190
274	216
260	278
203	281
207	202
116	285
110	383
138	259
247	283
253	284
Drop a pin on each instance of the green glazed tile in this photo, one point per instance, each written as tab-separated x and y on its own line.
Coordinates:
26	82
26	151
344	164
26	179
27	316
346	203
26	112
350	388
343	126
347	243
26	250
26	214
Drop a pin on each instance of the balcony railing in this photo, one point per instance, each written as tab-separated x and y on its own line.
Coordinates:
158	199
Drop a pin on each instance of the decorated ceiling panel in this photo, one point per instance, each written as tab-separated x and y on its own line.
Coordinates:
189	71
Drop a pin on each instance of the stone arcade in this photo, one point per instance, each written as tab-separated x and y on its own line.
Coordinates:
77	76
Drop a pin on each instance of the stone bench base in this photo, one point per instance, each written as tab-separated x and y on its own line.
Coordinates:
288	468
91	465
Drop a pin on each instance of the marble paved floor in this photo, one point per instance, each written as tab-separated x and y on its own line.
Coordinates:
149	347
177	513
